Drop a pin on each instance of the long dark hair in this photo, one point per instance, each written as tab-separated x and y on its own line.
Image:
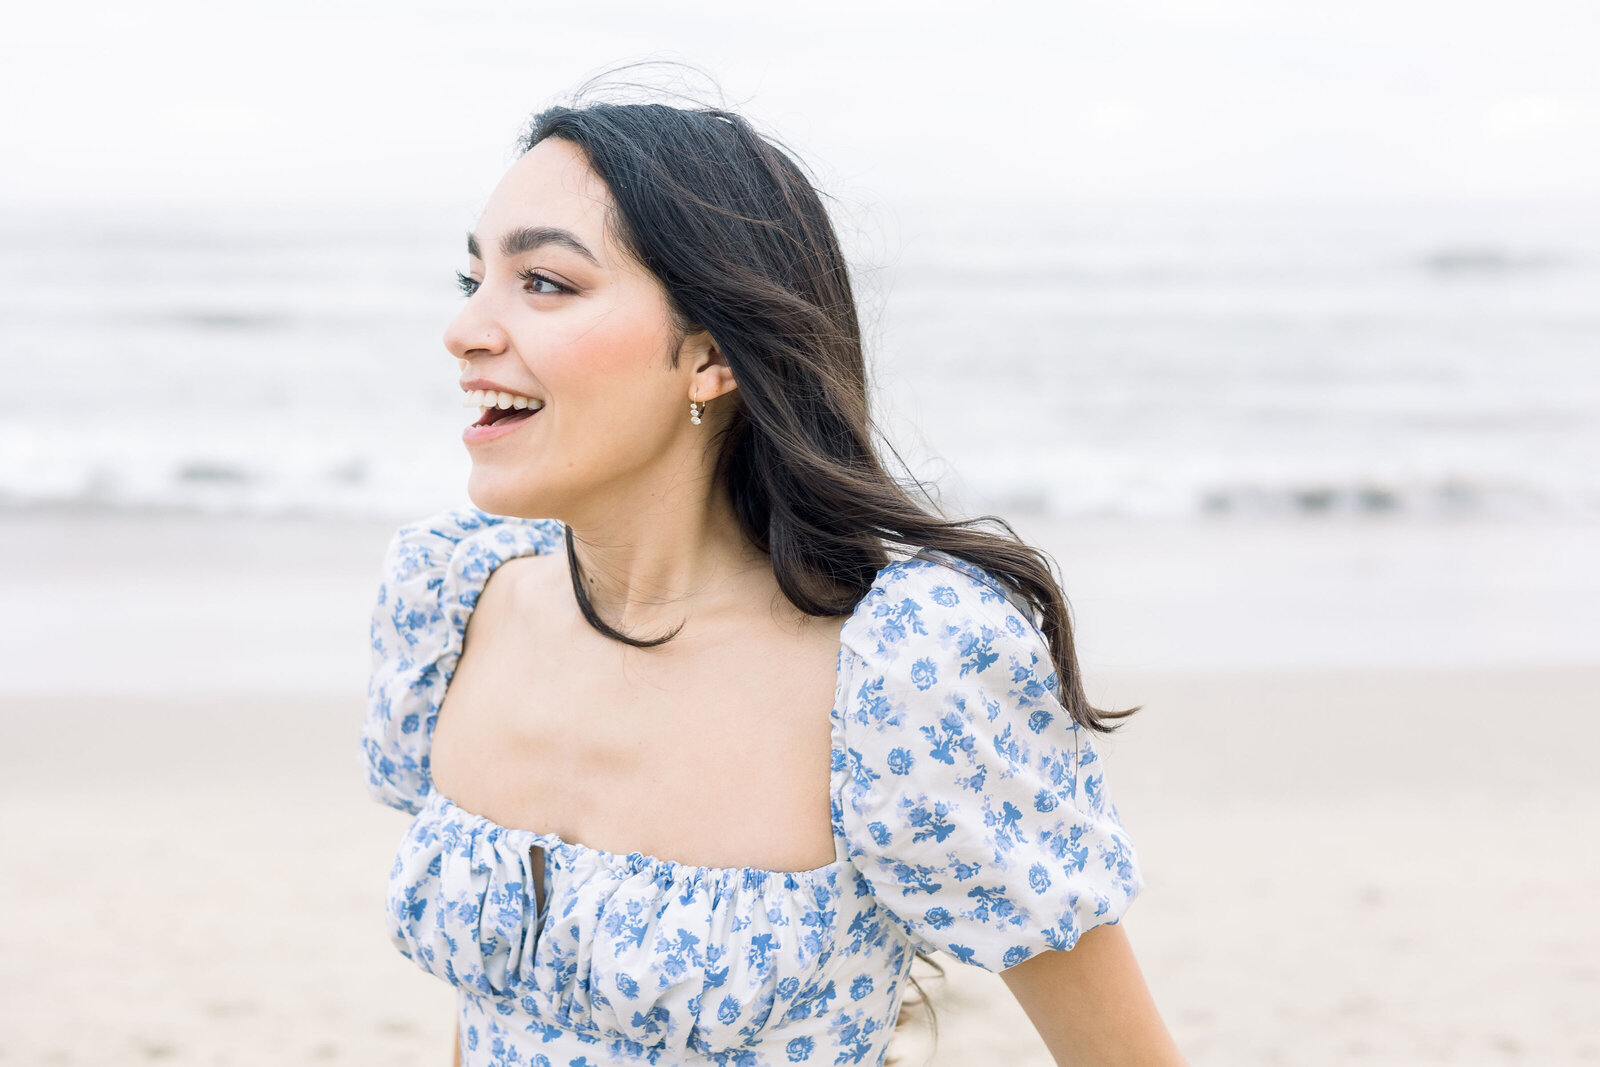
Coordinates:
738	235
739	238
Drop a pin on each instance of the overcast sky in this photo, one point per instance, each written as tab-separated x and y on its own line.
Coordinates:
420	102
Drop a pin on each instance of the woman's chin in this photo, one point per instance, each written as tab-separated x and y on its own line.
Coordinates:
498	499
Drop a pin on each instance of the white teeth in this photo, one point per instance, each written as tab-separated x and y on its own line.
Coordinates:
485	398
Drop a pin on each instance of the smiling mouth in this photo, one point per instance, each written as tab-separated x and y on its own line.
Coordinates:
491	416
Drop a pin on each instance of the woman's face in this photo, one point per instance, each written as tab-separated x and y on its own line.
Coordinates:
559	313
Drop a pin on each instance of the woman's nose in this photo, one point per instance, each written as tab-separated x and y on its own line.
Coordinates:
471	333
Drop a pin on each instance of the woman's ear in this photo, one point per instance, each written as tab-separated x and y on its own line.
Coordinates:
709	373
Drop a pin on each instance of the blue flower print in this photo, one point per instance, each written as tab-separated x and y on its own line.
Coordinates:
933	823
924	674
872	705
651	1022
1004	825
946	738
900	760
759	951
1015	955
916	879
977	655
899	621
800	1049
858	765
1091	789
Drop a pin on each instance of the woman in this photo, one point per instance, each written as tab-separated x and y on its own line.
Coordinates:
707	727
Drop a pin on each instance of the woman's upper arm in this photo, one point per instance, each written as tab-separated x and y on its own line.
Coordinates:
1091	1004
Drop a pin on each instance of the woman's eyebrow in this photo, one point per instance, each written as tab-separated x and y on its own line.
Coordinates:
527	238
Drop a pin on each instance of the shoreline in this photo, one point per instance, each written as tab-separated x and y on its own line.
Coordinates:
281	606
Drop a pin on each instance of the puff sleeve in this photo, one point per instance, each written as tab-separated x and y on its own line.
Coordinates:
973	805
433	571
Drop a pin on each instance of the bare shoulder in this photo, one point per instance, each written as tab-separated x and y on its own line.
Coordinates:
519	592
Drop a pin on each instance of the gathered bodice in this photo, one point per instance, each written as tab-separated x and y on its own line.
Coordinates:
636	952
968	812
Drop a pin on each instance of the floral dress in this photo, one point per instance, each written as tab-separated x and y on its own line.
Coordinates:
969	813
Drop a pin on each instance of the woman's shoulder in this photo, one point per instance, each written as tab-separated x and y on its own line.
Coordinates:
434	570
466	535
940	607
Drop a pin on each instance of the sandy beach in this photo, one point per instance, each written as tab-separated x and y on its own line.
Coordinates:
1363	790
1274	325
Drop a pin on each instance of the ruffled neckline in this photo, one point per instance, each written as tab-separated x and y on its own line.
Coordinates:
572	854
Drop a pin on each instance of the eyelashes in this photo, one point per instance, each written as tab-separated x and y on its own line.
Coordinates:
535	276
468	285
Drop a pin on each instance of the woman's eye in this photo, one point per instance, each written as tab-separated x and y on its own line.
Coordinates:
535	278
469	285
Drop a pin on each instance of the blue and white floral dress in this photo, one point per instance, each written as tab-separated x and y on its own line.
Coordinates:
969	815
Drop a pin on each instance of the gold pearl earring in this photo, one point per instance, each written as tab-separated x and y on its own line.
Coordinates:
695	407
